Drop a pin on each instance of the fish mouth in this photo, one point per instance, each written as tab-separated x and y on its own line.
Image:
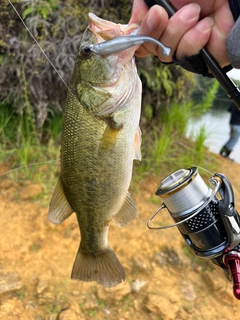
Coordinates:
100	30
106	30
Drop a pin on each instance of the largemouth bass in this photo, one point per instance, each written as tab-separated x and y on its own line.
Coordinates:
100	140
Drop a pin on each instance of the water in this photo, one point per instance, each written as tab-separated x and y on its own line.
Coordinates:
216	123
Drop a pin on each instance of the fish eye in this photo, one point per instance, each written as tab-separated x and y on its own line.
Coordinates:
86	52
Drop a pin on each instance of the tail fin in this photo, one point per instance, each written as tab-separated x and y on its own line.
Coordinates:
102	267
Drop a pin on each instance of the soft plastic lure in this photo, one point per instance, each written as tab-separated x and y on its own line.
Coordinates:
125	42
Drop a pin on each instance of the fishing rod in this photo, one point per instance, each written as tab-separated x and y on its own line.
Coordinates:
209	224
227	84
124	42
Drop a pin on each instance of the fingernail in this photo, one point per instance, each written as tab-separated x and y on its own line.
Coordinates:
153	18
205	25
190	12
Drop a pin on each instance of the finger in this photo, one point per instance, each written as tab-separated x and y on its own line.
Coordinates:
217	43
152	25
179	24
139	10
188	46
207	6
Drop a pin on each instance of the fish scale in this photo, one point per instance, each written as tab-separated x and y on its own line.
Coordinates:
100	140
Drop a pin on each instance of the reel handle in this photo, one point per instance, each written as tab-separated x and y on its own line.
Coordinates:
232	262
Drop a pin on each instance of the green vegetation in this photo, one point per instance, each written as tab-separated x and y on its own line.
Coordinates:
33	96
165	145
35	247
197	261
21	293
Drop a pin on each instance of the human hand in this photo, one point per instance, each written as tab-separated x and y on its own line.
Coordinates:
193	26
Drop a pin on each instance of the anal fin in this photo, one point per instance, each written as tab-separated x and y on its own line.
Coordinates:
127	213
59	208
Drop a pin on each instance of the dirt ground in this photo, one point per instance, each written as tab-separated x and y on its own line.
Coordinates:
164	280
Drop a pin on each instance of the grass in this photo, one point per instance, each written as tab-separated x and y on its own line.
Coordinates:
164	148
35	247
195	260
27	154
5	118
21	293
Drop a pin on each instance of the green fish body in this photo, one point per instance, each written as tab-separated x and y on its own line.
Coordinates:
100	140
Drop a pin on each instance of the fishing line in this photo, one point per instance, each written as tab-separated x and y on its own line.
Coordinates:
180	163
211	174
35	40
27	166
39	46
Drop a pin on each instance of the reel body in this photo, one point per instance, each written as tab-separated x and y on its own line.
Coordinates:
206	218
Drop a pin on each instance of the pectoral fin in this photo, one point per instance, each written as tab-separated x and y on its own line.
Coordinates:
59	208
137	144
127	213
109	137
